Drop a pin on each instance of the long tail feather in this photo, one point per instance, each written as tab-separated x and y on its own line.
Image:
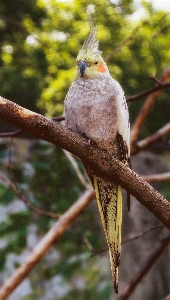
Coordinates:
109	199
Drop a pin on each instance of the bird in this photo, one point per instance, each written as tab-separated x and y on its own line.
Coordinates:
95	107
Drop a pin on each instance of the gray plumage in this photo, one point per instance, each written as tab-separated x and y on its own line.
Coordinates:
96	108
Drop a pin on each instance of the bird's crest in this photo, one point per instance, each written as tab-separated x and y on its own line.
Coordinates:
92	44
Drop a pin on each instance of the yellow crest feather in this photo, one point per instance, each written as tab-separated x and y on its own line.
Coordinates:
92	44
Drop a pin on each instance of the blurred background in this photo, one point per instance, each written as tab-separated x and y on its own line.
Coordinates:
39	42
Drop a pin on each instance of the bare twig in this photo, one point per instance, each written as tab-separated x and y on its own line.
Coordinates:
99	160
156	79
76	168
147	142
141	95
145	268
11	133
86	241
20	195
23	28
48	240
124	42
132	238
157	177
14	23
163	29
146	108
128	239
59	118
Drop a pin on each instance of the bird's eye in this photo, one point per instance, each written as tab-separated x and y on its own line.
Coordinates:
96	62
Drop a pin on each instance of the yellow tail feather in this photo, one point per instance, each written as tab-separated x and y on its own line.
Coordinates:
109	199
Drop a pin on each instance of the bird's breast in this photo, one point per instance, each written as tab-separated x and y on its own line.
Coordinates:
92	109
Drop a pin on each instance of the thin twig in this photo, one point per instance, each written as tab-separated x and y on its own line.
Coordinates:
86	241
131	37
156	79
125	41
20	195
157	177
145	268
147	142
128	239
59	118
11	133
44	245
146	108
76	168
132	238
161	31
23	28
141	95
14	23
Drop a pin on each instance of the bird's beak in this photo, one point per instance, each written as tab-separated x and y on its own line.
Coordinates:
83	65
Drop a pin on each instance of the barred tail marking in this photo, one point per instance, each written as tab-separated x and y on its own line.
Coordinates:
109	200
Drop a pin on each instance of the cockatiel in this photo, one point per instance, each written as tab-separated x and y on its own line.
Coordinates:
96	108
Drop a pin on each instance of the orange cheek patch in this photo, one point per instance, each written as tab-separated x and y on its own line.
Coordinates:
101	68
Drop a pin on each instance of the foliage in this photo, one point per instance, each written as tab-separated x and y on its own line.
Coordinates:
38	46
38	52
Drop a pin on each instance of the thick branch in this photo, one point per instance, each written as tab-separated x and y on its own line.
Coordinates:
52	236
100	161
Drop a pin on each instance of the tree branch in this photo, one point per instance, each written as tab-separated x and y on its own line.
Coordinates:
141	95
76	168
20	195
100	160
133	237
157	177
146	267
147	142
146	108
10	133
130	237
52	236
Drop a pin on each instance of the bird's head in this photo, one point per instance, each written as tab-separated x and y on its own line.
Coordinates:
90	64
